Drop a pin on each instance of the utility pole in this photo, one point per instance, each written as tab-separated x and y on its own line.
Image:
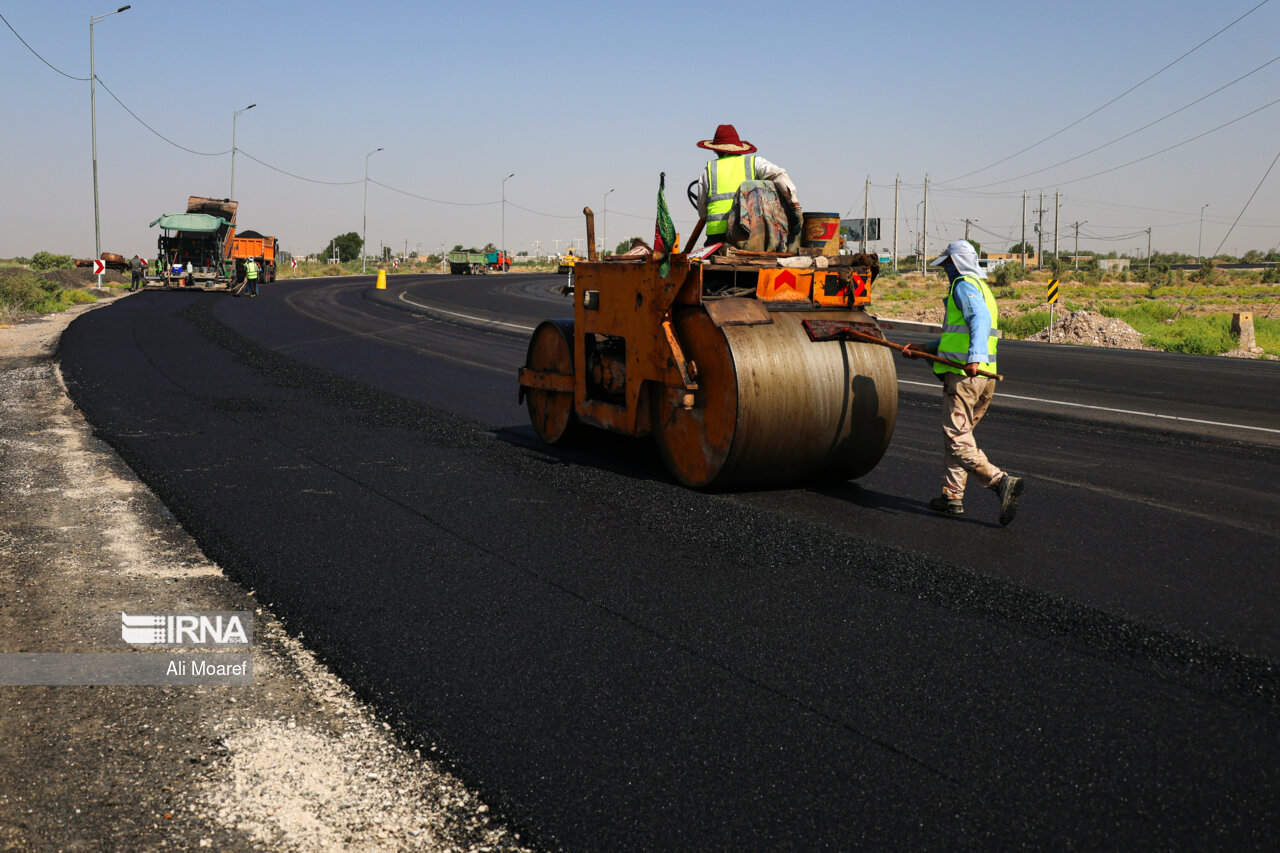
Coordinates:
364	228
866	211
896	180
92	115
1040	234
234	116
924	228
1057	203
1148	248
1024	229
504	218
1076	259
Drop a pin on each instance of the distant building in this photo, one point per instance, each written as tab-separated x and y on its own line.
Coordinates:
1113	264
996	259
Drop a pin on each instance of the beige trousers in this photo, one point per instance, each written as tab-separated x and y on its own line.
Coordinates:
964	402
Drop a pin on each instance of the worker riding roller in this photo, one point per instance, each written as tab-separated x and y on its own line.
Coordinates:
736	163
968	338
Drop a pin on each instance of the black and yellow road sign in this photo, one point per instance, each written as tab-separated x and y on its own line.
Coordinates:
1053	290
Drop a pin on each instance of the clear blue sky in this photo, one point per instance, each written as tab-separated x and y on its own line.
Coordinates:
577	99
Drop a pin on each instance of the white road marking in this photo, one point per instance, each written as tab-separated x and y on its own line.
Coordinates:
484	320
921	384
1108	409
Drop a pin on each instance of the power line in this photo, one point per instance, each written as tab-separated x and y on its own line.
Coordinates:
1113	100
1130	133
156	132
1171	147
38	56
300	177
1247	203
436	200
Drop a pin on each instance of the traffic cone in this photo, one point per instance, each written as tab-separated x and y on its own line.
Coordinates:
382	279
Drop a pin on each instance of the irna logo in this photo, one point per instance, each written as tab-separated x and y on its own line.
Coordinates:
219	628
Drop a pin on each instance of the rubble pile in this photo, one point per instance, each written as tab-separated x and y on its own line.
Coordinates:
1092	329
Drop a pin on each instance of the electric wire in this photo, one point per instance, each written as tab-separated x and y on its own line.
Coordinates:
156	132
39	57
1171	147
1127	135
436	200
1113	100
1247	203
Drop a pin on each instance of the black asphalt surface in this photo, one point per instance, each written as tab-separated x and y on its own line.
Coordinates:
620	663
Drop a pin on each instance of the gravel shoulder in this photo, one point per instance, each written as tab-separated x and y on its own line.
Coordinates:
293	762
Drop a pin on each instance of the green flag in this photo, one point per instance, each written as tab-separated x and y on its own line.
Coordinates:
664	233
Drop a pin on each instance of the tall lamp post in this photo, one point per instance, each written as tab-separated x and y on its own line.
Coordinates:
503	236
234	115
604	233
93	123
1199	242
364	236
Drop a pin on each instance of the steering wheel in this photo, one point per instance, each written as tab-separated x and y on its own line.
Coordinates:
692	192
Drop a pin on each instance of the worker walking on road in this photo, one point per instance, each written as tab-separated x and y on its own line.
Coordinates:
251	277
135	273
734	165
968	337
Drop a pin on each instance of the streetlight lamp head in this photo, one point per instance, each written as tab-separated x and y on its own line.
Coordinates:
122	8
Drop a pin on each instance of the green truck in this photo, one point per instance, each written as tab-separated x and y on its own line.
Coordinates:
464	263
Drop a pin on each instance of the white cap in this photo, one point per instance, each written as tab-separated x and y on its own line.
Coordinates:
964	256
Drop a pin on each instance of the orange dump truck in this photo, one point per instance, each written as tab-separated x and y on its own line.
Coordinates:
251	244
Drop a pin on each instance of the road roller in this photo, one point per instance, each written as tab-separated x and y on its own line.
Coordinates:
713	360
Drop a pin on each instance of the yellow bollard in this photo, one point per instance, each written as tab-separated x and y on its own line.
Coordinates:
382	279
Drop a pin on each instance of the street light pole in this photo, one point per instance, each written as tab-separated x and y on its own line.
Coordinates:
504	219
1199	242
364	235
604	233
234	115
93	123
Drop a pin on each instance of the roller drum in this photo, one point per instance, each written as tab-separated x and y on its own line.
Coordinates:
773	406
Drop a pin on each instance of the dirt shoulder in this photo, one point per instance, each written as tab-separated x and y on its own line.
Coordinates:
291	762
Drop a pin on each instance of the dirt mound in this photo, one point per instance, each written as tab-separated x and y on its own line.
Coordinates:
1091	329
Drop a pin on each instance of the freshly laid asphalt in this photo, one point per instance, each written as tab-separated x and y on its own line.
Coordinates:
621	663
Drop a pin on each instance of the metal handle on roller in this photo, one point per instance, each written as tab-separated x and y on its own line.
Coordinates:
820	330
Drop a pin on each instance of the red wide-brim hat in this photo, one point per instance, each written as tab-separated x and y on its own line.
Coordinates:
726	141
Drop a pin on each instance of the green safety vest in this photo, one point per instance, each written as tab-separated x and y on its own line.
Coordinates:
955	331
250	269
724	176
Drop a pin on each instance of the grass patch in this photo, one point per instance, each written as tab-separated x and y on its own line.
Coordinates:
23	291
1208	334
1024	325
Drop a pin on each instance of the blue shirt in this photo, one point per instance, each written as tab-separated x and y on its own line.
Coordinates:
976	316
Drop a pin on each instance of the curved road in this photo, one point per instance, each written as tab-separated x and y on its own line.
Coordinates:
617	662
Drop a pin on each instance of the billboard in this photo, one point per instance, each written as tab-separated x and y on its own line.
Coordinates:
853	229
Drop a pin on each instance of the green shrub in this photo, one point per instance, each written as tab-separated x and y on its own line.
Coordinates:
1006	274
1024	325
1267	333
42	261
25	292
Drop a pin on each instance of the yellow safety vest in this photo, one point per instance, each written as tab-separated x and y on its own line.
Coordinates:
955	331
251	268
724	176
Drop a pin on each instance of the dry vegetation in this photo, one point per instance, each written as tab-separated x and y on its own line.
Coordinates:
1182	315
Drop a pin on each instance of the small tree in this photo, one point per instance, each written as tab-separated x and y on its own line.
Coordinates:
348	246
41	261
1019	248
489	247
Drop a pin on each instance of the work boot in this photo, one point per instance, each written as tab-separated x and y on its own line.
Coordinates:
1007	489
950	506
